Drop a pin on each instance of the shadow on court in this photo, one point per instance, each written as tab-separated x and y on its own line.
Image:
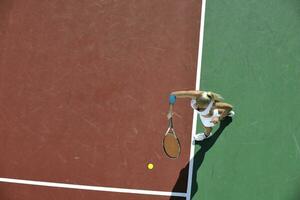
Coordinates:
198	159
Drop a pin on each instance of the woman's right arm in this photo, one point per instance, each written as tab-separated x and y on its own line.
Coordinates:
181	94
170	112
187	94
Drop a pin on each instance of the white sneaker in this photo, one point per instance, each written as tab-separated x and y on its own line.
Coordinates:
231	113
201	136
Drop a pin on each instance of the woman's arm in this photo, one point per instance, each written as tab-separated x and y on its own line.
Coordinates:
225	107
170	112
181	94
187	94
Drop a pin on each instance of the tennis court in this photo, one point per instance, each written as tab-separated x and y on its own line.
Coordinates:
84	96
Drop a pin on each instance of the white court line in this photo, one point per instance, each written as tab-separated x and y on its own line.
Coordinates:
198	77
94	188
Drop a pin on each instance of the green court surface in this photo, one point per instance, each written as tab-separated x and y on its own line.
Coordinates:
251	55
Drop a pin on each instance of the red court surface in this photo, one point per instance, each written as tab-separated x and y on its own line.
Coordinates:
84	94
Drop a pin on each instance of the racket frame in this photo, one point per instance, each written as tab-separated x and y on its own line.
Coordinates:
171	131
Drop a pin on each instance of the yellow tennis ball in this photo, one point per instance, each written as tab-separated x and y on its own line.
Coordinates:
150	166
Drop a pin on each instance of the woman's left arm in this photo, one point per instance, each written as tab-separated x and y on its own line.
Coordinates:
226	107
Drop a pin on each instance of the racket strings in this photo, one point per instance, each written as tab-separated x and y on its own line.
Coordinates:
171	145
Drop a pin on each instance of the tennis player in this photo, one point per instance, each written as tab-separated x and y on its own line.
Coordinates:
209	106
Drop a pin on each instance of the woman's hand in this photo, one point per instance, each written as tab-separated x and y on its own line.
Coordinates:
170	115
215	120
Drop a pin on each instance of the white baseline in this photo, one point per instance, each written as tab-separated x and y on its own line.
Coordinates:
89	187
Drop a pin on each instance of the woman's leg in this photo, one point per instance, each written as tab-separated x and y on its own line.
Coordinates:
204	135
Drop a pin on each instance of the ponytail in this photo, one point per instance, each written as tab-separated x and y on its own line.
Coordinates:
215	96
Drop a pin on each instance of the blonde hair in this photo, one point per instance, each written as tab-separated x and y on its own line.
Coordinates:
206	97
215	96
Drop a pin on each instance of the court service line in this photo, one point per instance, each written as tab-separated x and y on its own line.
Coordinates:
198	78
89	187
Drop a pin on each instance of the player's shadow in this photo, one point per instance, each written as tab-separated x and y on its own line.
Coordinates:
198	160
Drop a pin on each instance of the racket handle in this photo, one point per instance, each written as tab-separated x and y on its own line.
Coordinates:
171	122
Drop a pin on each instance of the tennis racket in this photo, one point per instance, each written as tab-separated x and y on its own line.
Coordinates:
171	144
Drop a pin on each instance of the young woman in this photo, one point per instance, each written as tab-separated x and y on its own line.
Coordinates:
209	106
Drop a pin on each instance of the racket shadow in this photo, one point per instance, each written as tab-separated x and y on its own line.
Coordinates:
198	160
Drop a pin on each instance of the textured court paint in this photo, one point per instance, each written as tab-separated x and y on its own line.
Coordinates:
84	88
251	56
